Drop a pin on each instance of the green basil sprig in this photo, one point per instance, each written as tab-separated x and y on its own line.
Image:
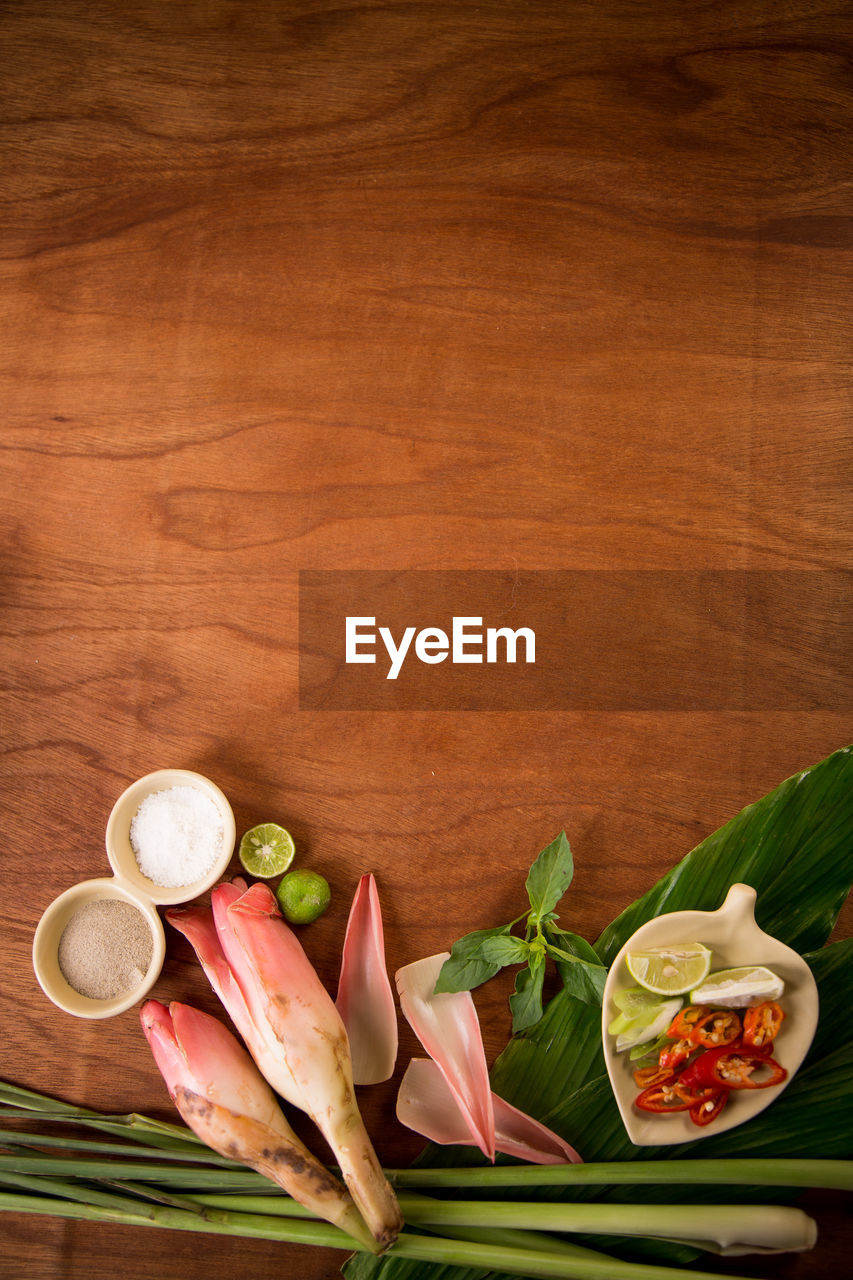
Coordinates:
478	956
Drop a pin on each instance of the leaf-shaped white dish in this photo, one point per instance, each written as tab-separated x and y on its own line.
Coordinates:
735	939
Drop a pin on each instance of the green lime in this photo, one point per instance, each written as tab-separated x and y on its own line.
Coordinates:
670	971
266	850
738	988
303	896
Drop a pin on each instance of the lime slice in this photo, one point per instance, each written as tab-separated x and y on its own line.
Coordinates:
266	850
670	971
737	988
642	1017
303	896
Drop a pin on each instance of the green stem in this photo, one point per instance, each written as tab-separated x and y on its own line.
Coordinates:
513	1261
826	1174
209	1221
61	1187
836	1175
283	1206
433	1249
742	1225
139	1171
21	1138
16	1101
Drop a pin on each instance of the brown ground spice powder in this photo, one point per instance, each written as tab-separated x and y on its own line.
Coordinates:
105	949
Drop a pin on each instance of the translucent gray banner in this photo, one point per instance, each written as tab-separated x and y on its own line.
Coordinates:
632	640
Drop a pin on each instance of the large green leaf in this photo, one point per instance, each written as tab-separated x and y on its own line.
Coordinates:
795	847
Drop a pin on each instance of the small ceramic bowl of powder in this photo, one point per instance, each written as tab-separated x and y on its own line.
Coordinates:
171	835
98	949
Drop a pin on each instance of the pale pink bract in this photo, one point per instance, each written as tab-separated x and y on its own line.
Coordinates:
365	1000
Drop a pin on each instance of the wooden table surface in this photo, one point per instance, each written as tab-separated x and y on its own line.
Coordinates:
292	285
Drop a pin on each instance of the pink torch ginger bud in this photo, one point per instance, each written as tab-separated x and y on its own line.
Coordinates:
365	999
226	1102
294	1033
198	927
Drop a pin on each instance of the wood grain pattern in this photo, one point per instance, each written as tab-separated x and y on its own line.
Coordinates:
296	284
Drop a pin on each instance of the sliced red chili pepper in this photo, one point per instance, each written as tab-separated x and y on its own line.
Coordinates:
709	1108
761	1024
705	1027
673	1055
731	1067
671	1095
645	1077
719	1027
685	1020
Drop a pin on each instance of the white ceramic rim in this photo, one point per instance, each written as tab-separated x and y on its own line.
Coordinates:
120	852
46	948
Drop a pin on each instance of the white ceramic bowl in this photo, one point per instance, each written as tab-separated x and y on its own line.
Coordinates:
120	851
129	885
735	939
46	948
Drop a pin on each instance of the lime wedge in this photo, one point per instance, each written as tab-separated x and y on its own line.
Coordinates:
738	988
670	971
266	850
636	1003
642	1017
303	896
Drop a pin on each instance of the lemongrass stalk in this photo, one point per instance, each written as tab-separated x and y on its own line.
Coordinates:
29	1100
276	1206
210	1221
139	1171
126	1127
744	1171
425	1248
834	1175
23	1138
148	1191
800	1172
15	1095
520	1240
62	1187
743	1226
142	1129
282	1206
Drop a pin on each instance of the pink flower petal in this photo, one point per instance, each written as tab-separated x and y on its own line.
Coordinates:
365	1000
448	1028
426	1104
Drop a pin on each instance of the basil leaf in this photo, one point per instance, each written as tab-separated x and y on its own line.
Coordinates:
526	1000
582	980
549	877
573	943
581	972
505	949
467	967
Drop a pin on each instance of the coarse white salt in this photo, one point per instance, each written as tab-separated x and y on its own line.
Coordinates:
176	836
